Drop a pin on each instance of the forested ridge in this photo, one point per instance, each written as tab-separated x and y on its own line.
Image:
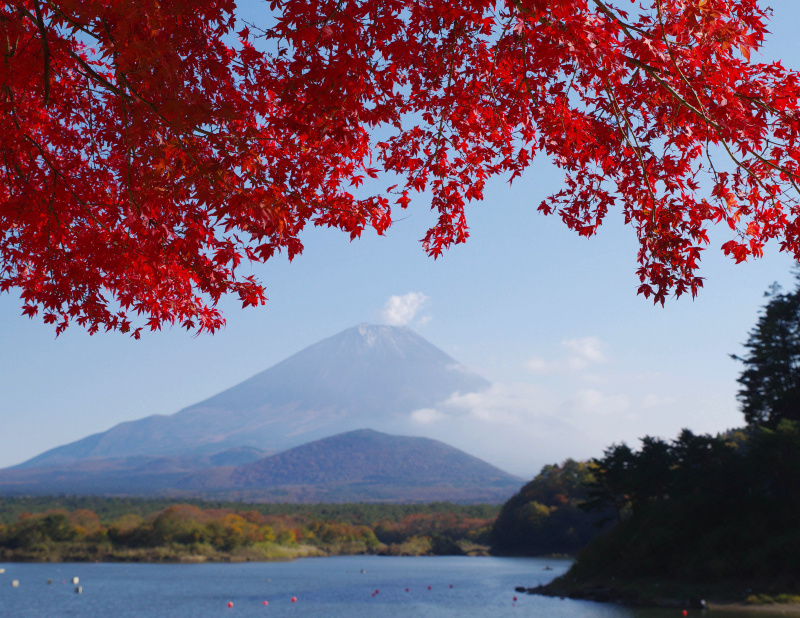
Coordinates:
546	516
696	517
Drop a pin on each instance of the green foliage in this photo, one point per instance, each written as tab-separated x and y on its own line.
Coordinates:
33	531
719	509
545	516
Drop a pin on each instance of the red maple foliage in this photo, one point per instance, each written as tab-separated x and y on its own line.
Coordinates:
148	148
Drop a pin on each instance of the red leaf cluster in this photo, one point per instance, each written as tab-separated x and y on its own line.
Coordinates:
148	148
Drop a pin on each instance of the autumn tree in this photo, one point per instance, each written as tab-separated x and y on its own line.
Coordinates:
149	147
546	517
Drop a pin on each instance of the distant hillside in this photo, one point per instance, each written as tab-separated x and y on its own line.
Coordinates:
120	476
367	376
363	465
357	466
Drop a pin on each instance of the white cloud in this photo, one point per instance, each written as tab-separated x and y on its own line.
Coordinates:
536	364
516	426
577	405
651	400
585	351
400	310
595	402
426	416
500	403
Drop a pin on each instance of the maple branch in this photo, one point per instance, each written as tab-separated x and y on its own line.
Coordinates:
702	113
46	52
704	117
447	87
681	100
676	65
58	173
52	166
97	77
20	174
69	51
769	163
637	148
75	25
121	76
626	27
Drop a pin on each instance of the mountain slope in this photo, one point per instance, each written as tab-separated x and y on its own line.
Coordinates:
369	456
367	376
357	466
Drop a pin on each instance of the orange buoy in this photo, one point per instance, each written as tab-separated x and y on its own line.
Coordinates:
406	589
685	613
266	602
429	587
451	585
230	603
294	599
515	599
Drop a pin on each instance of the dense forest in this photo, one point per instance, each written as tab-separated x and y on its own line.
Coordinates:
110	529
718	513
705	515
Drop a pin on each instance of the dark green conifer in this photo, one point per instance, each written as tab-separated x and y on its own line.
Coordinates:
770	381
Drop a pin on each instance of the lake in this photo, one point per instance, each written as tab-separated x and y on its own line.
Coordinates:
346	586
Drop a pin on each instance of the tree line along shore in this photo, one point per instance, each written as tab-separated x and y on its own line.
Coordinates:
126	529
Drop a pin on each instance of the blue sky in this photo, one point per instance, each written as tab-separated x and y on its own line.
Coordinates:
577	359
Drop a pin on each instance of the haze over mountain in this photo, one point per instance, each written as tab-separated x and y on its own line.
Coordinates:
356	466
364	377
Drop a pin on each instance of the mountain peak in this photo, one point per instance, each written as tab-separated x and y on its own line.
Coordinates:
371	332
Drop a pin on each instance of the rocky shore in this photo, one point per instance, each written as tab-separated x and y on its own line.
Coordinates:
620	596
653	594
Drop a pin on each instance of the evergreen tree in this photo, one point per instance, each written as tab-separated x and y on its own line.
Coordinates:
770	381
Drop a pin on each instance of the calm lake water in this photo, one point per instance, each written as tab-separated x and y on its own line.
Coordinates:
331	587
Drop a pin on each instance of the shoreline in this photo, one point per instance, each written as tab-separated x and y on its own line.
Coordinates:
179	555
715	598
775	609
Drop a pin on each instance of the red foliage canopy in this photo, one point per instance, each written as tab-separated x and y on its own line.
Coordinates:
148	148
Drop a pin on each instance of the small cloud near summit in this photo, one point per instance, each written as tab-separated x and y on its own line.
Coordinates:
400	310
586	351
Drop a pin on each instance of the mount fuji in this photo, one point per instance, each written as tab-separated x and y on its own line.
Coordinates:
366	377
